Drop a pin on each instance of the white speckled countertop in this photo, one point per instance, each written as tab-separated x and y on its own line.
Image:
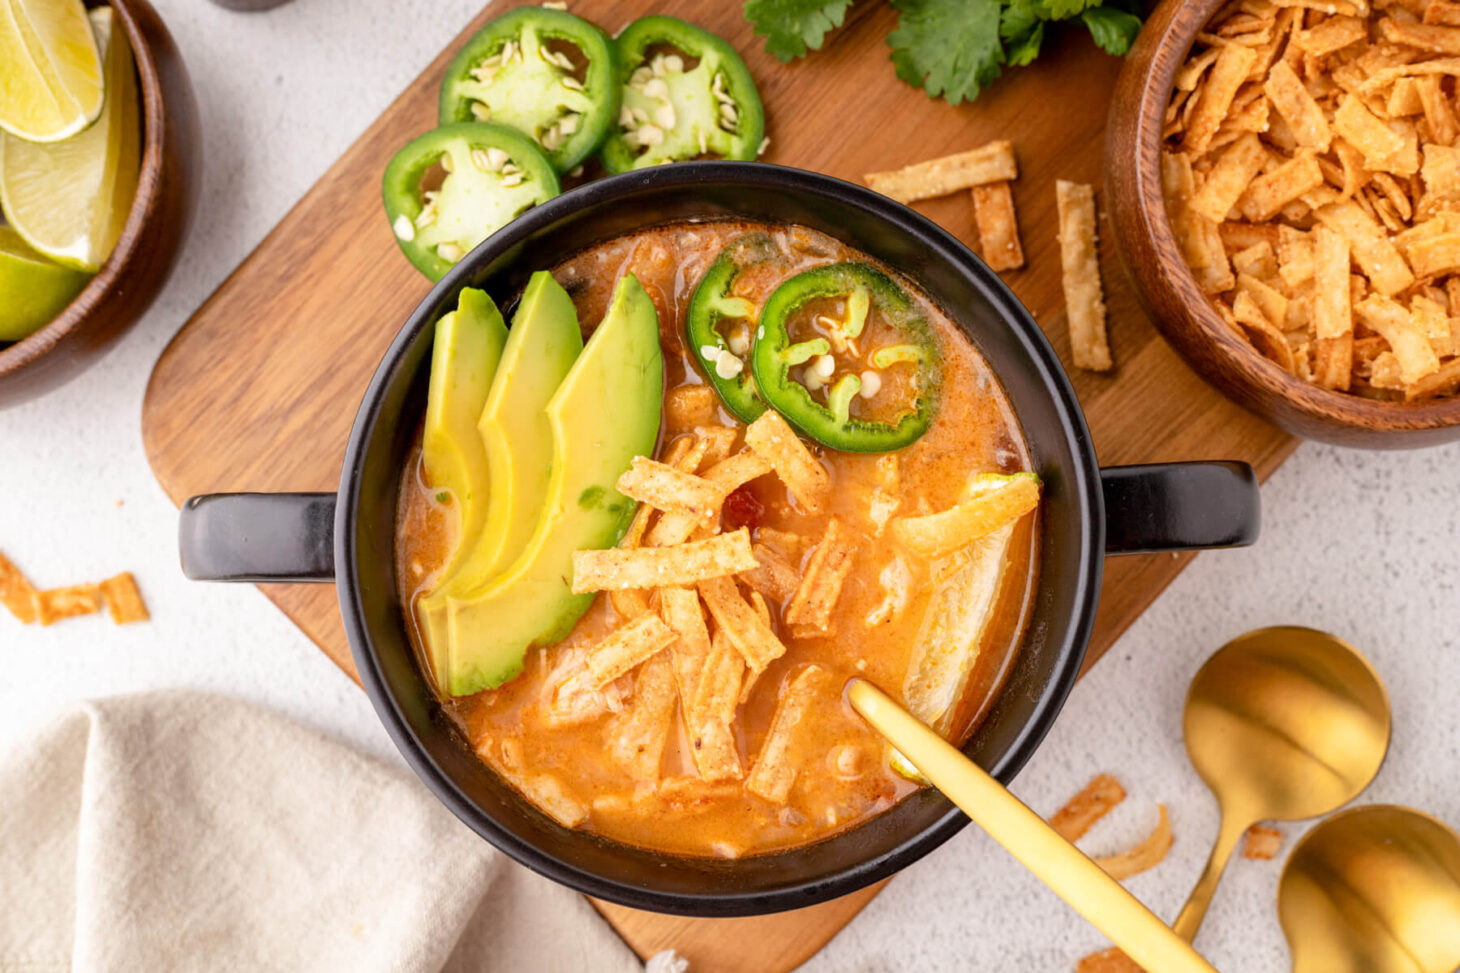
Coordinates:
1366	545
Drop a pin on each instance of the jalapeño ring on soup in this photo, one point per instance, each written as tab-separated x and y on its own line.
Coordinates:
711	471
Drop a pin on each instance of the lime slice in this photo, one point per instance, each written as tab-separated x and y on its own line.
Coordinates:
32	289
50	69
70	199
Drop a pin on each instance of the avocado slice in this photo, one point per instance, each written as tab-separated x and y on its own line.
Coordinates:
605	412
541	347
464	357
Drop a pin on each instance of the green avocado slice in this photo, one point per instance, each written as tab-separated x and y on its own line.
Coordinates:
464	358
605	412
512	426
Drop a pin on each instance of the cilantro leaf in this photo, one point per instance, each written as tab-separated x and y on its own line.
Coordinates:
1019	18
947	47
1065	9
1023	50
791	27
1112	29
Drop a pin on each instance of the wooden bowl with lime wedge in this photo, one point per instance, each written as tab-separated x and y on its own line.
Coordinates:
139	264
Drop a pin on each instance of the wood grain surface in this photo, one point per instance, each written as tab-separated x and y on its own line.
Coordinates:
258	390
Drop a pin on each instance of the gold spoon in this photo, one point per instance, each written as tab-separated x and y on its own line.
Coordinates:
1373	890
1282	723
1029	838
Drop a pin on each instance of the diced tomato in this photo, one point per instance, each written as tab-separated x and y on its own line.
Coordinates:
742	509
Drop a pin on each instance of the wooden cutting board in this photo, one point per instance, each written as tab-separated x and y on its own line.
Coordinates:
259	388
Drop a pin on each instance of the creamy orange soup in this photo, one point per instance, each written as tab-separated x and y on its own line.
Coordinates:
842	771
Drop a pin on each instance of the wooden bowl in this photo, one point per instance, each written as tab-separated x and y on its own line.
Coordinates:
1170	293
167	195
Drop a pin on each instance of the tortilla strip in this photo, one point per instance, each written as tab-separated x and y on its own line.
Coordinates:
676	527
1261	842
975	517
772	575
1331	35
775	766
123	599
655	567
1405	336
680	608
809	612
1333	362
1442	12
1375	254
719	689
1257	261
1234	171
1366	131
1080	279
773	439
1191	72
713	750
1404	98
1092	803
637	736
993	162
58	603
1260	330
632	602
17	593
666	488
627	647
1440	172
1148	854
1446	381
1110	960
1240	237
1265	197
794	545
751	636
546	792
1426	37
1436	256
688	406
998	226
1434	321
736	471
1294	257
719	440
1438	111
1331	314
1232	66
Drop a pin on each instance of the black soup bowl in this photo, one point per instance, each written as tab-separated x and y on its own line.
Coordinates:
1086	514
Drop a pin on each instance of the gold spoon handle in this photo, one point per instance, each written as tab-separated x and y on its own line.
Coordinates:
1029	838
1195	909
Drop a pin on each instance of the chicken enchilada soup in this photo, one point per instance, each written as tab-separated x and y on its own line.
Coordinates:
710	472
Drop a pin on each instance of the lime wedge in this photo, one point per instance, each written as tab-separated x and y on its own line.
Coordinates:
50	69
70	199
32	289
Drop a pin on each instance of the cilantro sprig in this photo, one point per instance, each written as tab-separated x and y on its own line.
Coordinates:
952	49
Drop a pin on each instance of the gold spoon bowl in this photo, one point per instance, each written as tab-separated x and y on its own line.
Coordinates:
1282	724
1373	890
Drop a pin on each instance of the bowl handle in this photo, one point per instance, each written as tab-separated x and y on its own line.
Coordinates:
258	537
1179	507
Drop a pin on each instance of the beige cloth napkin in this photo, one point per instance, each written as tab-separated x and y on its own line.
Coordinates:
180	831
